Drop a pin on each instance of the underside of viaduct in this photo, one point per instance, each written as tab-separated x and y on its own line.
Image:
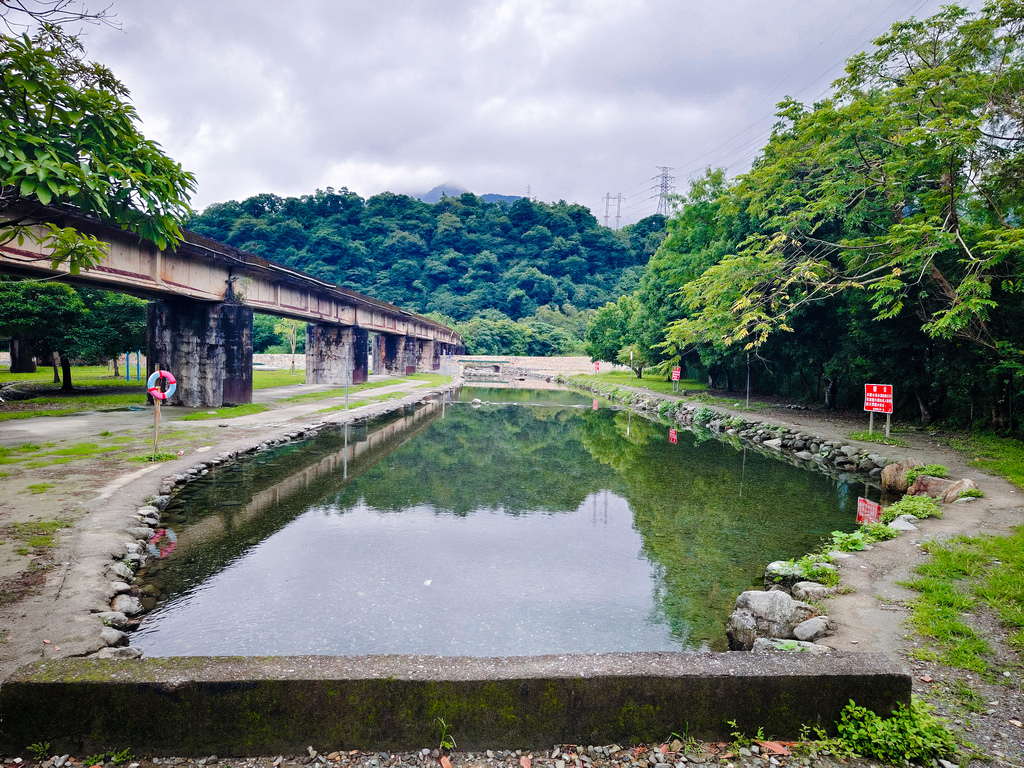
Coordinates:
202	298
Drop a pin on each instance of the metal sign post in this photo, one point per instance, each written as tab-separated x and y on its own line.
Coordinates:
159	392
878	397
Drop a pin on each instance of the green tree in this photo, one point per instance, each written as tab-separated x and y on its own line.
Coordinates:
905	184
289	331
115	323
610	329
69	135
48	314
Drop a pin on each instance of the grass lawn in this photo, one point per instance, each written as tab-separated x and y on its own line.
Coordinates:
653	383
1001	455
283	378
227	412
81	376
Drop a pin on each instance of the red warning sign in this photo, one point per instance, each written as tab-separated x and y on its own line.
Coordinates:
878	397
675	373
673	436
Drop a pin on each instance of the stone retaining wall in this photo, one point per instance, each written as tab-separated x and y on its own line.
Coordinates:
271	705
837	458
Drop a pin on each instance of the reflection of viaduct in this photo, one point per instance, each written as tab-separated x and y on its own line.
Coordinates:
353	459
203	297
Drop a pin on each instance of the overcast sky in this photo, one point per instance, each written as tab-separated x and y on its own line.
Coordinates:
572	99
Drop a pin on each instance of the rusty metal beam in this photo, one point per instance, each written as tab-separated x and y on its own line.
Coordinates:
205	270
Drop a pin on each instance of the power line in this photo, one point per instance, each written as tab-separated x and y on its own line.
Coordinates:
748	135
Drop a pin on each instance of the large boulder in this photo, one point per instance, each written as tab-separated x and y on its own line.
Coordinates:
813	628
894	476
764	614
926	485
953	492
811	590
784	574
780	645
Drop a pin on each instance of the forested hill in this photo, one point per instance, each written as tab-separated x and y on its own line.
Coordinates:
457	257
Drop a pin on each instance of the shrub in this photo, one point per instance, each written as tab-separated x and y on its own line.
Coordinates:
932	470
878	532
848	542
703	415
918	506
971	493
909	734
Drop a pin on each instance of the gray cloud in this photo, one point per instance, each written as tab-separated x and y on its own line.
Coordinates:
574	97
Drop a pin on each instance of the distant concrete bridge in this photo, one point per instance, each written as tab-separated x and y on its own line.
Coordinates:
203	295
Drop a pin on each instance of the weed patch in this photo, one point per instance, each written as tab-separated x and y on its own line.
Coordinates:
962	575
913	734
877	437
918	506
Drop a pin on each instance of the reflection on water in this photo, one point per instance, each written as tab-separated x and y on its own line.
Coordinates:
483	529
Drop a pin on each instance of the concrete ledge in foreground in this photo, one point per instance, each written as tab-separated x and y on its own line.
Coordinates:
267	705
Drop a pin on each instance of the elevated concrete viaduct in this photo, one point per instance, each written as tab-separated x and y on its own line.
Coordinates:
203	295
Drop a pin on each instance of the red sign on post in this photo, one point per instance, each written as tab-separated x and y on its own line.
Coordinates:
597	366
878	397
675	373
868	511
673	436
595	403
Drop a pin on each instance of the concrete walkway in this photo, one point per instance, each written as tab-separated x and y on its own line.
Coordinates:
90	426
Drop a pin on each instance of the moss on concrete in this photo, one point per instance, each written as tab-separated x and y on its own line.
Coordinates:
195	706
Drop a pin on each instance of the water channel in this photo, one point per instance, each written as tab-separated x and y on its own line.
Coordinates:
529	523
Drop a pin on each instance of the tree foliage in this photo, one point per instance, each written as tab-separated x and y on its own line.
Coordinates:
69	136
904	184
488	265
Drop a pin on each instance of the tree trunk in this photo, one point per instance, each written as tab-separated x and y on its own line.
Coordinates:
1001	405
117	375
831	389
56	361
21	357
712	372
65	367
929	404
728	379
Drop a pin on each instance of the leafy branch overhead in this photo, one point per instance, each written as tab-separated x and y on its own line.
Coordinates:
69	136
905	184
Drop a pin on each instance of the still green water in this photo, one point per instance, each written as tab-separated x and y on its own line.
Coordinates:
529	523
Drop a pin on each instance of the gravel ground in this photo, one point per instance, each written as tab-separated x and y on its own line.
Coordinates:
672	755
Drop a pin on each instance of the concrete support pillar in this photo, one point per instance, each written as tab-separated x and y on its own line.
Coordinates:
408	348
424	355
331	350
379	365
389	356
208	348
